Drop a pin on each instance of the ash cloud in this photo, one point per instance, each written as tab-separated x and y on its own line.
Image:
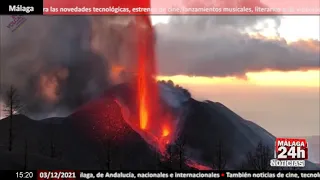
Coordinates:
59	63
217	46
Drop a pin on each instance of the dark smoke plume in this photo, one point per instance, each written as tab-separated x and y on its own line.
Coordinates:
59	63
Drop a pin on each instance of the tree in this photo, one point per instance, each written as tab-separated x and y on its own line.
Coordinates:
48	146
53	148
104	158
106	143
259	159
219	161
25	155
180	145
168	161
13	106
175	158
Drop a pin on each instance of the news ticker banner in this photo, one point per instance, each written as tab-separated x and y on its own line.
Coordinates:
73	175
160	7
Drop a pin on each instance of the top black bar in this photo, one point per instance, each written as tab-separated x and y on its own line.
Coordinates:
21	7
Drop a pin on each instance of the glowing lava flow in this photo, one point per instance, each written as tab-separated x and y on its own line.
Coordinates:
165	132
147	86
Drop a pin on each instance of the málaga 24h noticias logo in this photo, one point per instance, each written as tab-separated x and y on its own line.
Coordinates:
290	152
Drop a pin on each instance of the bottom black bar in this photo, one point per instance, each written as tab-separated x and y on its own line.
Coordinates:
79	174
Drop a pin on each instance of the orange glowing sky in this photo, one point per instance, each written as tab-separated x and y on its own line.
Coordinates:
309	78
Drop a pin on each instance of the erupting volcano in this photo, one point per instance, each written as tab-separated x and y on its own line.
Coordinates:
99	76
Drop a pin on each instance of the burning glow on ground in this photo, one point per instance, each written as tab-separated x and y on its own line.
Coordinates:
165	132
198	166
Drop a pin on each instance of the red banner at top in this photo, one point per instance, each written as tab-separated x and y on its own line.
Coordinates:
176	7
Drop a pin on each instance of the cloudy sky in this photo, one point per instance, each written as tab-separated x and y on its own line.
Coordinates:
264	68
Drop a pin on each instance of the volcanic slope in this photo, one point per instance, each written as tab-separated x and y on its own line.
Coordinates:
94	137
97	137
210	127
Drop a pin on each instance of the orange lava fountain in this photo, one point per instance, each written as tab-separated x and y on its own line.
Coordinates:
143	89
147	86
153	119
